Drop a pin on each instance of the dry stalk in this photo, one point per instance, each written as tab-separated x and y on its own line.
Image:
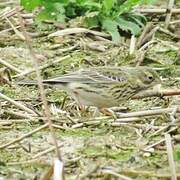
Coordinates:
148	37
37	161
169	12
8	29
147	28
5	4
43	96
15	113
42	67
132	44
154	144
18	121
10	66
9	13
170	157
166	31
157	10
146	112
151	93
146	45
18	33
20	106
172	123
139	126
115	174
46	151
175	21
24	136
69	31
149	174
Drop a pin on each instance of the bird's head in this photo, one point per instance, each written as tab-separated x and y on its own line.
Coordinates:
144	77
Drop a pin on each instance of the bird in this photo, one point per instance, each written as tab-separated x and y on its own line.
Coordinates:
104	87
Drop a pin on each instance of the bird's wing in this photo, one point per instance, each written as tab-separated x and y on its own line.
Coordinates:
92	75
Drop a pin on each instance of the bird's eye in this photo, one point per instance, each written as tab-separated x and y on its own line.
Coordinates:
150	78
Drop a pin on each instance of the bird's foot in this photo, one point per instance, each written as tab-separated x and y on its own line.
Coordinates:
108	112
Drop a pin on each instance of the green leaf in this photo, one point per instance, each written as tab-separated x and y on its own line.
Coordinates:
44	15
112	27
128	26
92	19
108	4
92	5
29	5
139	19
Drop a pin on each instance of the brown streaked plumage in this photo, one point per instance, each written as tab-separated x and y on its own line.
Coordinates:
105	87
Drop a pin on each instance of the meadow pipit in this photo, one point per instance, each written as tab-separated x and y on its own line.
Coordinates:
105	87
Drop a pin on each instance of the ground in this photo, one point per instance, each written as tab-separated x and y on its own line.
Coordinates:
91	146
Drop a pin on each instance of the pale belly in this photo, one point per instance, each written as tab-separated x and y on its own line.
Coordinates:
93	97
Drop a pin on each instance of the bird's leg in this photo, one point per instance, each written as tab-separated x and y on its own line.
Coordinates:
82	107
108	112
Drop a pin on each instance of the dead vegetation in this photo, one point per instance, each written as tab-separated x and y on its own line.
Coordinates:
141	143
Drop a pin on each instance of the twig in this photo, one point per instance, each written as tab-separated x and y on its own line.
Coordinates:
18	33
5	123
47	113
147	28
27	15
17	114
10	12
148	37
42	67
26	162
146	112
175	22
146	45
169	12
142	126
132	44
154	144
96	46
68	31
46	151
24	136
7	30
4	4
10	66
60	51
159	131
157	10
166	31
120	176
170	157
151	93
18	104
18	121
147	174
172	123
132	119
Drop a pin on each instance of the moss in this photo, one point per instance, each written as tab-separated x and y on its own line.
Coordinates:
106	152
82	132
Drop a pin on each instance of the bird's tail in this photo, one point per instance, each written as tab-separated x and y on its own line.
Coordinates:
27	82
45	82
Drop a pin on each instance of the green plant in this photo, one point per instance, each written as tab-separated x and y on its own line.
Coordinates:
110	15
